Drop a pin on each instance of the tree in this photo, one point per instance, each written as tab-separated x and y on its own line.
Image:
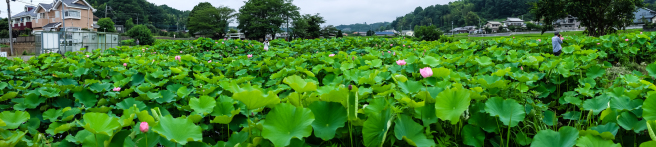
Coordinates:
211	21
142	33
300	27
257	18
314	24
199	7
428	33
339	34
531	26
106	25
328	30
129	24
599	17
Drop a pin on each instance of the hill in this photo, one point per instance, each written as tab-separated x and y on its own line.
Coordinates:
161	17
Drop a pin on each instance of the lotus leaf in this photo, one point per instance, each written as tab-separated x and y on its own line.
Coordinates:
285	122
178	130
629	121
451	103
595	141
508	111
100	123
565	137
13	119
473	136
299	84
254	98
86	97
376	127
204	105
333	117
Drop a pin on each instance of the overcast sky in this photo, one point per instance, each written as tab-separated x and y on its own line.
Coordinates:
335	12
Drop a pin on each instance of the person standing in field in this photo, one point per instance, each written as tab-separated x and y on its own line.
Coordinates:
556	42
137	42
266	45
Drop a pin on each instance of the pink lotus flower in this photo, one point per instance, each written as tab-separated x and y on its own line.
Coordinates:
125	64
331	55
216	42
426	72
222	42
143	127
235	47
513	37
539	40
640	32
401	62
389	51
409	46
180	52
404	45
154	52
521	67
391	44
178	58
250	55
116	89
394	53
209	61
87	56
192	47
143	49
139	55
626	39
266	49
598	43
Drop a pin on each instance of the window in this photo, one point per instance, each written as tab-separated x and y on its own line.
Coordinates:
56	14
42	15
72	14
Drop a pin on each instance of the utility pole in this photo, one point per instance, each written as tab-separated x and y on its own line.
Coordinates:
451	28
64	25
11	42
105	10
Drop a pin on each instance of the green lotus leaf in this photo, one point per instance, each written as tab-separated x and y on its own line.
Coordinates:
412	132
648	144
629	121
651	69
594	72
484	60
224	112
285	122
572	115
86	97
253	97
299	84
482	120
374	63
143	116
7	96
451	103
69	113
49	92
52	114
550	118
624	103
100	123
565	137
492	82
203	106
376	126
609	127
183	92
12	139
410	86
59	127
508	111
596	105
441	72
649	108
178	130
431	61
97	87
472	135
333	116
148	139
167	96
595	141
129	102
522	139
32	100
13	119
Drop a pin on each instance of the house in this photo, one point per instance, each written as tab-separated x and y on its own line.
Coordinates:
642	13
23	20
77	14
653	19
119	28
460	30
494	25
407	32
514	22
384	33
568	23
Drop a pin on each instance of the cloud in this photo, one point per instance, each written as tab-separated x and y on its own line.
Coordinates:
335	12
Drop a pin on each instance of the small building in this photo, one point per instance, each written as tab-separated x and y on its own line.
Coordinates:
23	20
568	23
407	32
460	30
385	34
119	28
643	13
511	21
493	25
77	14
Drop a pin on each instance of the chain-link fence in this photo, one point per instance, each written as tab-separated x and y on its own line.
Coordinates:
74	41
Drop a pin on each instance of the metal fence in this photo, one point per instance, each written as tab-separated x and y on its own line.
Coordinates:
75	41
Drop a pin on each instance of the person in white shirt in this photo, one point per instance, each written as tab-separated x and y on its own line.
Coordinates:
266	45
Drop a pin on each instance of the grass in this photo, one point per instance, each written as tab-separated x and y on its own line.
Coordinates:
536	35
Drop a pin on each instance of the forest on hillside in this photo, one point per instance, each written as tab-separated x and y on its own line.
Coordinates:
141	12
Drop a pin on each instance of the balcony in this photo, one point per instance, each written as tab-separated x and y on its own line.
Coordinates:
22	25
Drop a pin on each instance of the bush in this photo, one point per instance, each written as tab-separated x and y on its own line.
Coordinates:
428	33
106	25
129	42
445	38
142	33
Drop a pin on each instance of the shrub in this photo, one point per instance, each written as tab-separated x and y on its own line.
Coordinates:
142	33
427	33
106	25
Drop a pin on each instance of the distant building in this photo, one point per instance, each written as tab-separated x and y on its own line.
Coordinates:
568	23
641	13
407	32
384	33
513	22
493	25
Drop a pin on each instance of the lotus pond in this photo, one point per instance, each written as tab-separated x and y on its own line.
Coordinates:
336	92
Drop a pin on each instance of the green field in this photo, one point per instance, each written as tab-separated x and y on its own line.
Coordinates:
537	35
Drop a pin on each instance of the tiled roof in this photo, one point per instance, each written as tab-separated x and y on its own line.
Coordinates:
72	3
46	6
31	13
514	19
384	33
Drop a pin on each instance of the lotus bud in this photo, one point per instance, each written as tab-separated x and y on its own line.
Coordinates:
350	87
143	127
426	72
